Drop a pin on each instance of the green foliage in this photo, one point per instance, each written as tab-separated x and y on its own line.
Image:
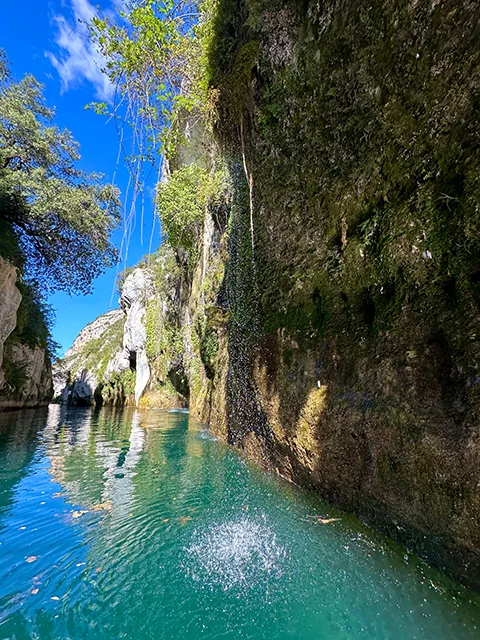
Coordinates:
34	319
182	203
61	216
165	269
119	387
154	56
153	328
97	353
9	245
164	345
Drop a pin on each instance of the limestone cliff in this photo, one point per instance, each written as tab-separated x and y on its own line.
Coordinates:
349	361
25	372
327	315
10	298
78	375
322	310
108	361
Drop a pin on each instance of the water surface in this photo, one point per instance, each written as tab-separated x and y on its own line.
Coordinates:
138	525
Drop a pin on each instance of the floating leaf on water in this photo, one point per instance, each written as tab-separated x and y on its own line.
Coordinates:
32	558
54	598
79	514
319	520
327	520
34	592
165	520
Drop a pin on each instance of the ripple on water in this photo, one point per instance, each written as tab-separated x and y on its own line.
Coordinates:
240	554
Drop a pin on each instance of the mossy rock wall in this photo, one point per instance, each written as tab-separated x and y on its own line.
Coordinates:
359	125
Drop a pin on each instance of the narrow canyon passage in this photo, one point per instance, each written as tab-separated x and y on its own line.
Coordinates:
120	523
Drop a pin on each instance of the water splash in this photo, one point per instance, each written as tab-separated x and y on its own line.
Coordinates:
237	554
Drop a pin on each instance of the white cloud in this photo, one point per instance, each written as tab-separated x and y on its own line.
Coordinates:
77	60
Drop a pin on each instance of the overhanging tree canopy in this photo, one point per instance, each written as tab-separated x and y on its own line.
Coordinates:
61	216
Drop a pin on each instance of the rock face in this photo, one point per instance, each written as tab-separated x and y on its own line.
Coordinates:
10	298
108	362
36	388
349	359
136	291
25	371
332	331
93	331
78	375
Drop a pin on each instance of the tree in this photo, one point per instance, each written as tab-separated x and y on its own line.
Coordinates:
61	216
155	55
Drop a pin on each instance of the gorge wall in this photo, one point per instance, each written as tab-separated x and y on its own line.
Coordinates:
324	314
350	362
25	370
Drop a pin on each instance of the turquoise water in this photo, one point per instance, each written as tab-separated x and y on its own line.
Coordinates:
139	525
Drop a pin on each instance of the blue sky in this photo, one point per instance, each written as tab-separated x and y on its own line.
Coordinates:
47	38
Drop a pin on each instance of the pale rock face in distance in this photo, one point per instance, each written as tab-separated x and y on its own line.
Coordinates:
85	381
93	330
136	291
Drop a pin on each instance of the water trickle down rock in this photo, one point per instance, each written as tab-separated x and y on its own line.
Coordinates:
136	291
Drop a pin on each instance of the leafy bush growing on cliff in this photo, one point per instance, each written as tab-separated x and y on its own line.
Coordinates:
183	200
34	319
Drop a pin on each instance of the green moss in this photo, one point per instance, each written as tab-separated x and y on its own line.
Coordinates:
365	164
118	388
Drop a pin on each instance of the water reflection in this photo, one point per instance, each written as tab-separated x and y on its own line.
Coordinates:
140	525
